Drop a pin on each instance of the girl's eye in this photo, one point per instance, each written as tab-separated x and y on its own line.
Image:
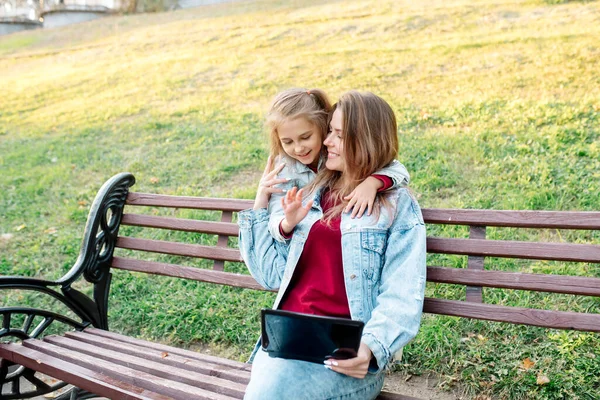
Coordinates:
307	137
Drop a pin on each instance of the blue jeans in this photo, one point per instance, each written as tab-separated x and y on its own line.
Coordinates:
278	378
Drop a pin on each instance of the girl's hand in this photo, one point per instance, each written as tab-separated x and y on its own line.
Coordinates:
356	367
267	183
363	197
293	209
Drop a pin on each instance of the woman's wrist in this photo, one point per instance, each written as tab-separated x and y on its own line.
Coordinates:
286	227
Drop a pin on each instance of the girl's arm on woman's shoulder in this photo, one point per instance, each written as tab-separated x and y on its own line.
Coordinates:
397	172
397	317
363	196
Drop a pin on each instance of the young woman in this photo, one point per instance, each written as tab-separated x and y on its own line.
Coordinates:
370	269
297	121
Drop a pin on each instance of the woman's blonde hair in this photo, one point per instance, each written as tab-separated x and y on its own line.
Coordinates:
370	142
311	104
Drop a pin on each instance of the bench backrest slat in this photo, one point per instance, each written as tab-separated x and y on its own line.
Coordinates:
517	219
506	218
178	249
180	224
515	249
577	285
194	203
515	315
178	271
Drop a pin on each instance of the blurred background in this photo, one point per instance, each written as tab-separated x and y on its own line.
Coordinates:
498	107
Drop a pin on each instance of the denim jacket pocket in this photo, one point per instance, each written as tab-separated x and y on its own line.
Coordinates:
373	243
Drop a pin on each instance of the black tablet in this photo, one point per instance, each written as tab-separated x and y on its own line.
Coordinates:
313	338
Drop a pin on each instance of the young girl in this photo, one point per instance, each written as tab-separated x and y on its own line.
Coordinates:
297	121
370	269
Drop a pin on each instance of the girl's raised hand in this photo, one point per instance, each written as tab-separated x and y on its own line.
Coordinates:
267	183
293	209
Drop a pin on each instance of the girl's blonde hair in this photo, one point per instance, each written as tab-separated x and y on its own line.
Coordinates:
311	104
370	142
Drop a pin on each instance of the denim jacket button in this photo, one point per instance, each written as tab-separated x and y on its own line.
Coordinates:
352	276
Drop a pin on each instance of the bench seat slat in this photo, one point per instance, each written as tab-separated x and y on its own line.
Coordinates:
164	357
515	249
180	224
514	315
178	249
579	285
517	219
178	373
198	203
178	271
84	378
172	350
167	387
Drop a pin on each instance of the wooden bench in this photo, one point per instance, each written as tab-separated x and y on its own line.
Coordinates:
100	362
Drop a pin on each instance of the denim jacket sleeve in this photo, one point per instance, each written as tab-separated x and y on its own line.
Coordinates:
264	257
397	172
396	317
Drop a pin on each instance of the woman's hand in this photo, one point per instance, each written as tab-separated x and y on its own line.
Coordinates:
363	197
293	209
356	367
267	183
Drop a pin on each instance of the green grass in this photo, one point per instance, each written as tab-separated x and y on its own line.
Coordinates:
498	104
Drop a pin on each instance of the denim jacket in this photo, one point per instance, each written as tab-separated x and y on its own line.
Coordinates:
300	175
383	260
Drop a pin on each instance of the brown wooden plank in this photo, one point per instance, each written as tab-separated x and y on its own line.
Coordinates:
180	224
475	293
522	219
515	249
514	315
199	203
157	366
173	350
152	382
178	271
164	357
578	285
179	249
87	379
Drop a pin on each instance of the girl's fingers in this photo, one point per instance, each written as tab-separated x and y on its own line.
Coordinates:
269	165
370	208
276	170
351	204
361	210
273	182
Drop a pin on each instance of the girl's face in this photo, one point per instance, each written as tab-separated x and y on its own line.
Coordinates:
300	140
335	143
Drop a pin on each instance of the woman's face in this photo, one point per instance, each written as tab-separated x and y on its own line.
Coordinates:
335	143
300	140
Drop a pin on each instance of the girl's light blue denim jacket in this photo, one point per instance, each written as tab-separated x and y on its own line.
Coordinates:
383	260
299	175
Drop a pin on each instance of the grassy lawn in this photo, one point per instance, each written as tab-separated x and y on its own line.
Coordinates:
498	105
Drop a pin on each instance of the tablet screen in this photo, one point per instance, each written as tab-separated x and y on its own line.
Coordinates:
313	338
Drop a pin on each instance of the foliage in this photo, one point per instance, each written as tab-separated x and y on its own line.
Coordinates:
498	107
